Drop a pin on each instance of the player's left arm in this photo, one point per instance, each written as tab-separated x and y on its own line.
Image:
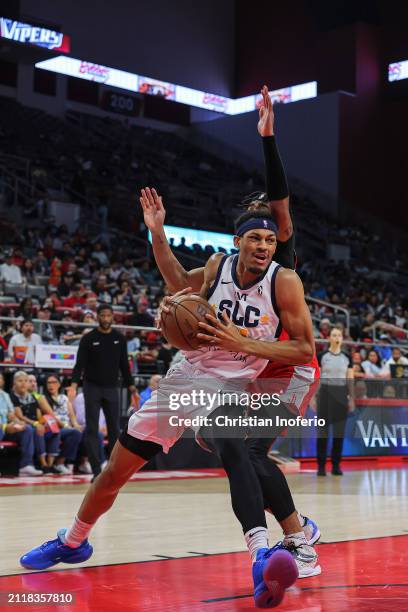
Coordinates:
295	319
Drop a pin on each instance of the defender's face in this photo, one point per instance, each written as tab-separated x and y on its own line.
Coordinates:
256	249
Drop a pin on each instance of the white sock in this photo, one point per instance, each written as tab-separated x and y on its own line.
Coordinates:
77	533
302	519
297	538
256	538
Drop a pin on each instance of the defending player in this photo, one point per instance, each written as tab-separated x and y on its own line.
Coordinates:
150	429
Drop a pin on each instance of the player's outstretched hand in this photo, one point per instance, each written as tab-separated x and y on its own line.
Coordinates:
164	305
266	116
225	335
153	210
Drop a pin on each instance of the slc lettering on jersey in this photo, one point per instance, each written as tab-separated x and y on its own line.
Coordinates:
250	317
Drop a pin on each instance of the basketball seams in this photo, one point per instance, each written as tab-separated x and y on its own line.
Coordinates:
175	304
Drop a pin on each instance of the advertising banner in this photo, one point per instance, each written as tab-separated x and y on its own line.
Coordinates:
55	356
34	35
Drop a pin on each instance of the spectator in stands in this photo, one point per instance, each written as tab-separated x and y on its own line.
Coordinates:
396	358
356	364
79	408
65	287
372	365
324	329
14	430
70	430
9	272
124	296
99	254
55	272
25	308
115	271
30	410
152	386
67	333
3	350
134	274
385	352
27	270
41	265
133	343
148	275
22	345
77	296
45	330
17	257
101	290
400	319
141	317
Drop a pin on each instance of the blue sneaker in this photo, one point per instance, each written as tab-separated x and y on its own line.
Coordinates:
55	551
311	530
274	571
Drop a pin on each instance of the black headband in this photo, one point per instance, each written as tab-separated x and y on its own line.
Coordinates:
256	223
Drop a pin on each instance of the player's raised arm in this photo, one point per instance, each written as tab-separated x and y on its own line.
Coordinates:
174	274
276	183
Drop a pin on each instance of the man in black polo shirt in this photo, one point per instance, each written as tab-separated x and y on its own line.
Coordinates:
102	354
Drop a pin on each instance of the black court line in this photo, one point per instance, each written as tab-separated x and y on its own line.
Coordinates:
317	588
188	556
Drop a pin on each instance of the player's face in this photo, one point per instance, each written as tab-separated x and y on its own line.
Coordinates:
256	249
105	319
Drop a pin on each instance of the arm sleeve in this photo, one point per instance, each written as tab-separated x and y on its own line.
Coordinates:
276	183
81	360
124	365
285	254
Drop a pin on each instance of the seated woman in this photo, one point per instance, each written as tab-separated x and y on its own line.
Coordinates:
29	410
13	430
70	430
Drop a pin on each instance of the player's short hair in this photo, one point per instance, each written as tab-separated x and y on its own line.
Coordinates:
255	214
256	198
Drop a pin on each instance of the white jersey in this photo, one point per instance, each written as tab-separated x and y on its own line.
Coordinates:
253	309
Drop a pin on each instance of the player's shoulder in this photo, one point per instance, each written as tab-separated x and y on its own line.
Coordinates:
213	263
287	277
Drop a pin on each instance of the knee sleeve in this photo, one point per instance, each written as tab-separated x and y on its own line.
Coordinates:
142	448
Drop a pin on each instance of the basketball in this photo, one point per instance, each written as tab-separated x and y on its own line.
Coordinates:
180	325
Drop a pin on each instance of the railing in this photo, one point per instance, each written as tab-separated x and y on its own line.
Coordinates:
332	306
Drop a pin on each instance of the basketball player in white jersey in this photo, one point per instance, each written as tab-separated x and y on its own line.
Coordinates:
276	492
299	531
150	430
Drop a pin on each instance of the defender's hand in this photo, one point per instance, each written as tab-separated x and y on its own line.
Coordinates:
153	209
224	335
266	116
